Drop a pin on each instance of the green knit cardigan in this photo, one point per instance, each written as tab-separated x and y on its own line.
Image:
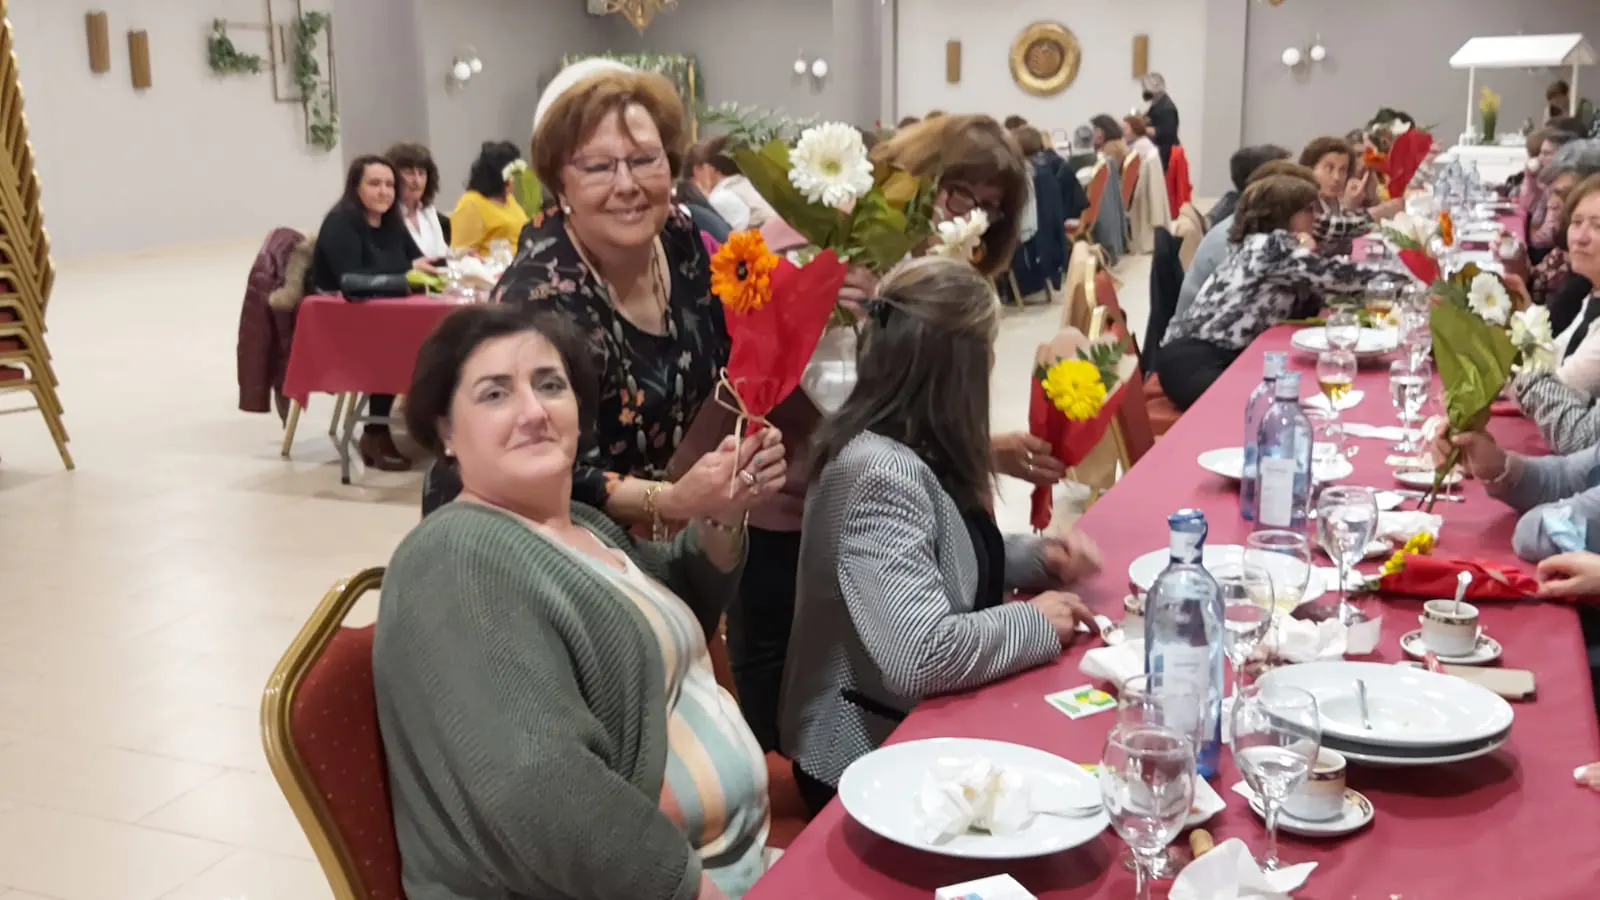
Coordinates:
522	702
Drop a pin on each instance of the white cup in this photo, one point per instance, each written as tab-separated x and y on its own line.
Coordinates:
1448	632
1321	797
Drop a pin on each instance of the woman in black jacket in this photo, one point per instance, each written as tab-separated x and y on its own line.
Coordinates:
364	235
1163	117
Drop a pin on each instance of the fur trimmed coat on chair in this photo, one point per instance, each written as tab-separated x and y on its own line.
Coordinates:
266	318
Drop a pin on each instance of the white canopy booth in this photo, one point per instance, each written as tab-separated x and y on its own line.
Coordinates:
1495	161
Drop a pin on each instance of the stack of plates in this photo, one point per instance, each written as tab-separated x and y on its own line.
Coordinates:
1227	560
1417	718
1373	342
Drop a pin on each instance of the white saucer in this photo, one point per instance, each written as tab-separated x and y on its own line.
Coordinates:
1424	479
1357	813
1487	651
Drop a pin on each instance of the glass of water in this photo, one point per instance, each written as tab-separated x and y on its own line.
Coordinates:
1342	329
1277	733
1147	785
1416	334
1167	702
1409	381
1347	521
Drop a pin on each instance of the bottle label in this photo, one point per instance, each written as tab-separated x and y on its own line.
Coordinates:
1185	668
1275	492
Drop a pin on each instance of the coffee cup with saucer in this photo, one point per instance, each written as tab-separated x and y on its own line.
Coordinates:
1321	796
1449	627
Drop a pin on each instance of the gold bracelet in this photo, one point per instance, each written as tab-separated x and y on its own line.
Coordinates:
658	528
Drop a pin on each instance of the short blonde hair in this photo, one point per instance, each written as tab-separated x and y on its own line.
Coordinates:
578	113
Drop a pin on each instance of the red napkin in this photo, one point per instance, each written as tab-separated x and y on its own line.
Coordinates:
773	344
1421	265
1405	157
1434	577
1069	441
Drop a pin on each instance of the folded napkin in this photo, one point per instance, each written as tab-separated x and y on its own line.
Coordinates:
1229	872
958	796
1320	401
1114	664
1378	432
1434	577
1398	525
1297	640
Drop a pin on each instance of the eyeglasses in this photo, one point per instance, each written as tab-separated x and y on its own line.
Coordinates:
600	170
960	200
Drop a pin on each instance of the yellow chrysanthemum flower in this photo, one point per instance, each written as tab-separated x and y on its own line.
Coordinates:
1074	386
1420	544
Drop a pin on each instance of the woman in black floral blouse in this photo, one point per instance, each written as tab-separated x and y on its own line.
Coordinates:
1271	274
631	272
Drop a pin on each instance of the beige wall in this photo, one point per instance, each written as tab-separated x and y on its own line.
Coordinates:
195	158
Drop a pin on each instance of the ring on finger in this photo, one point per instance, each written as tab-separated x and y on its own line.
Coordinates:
748	477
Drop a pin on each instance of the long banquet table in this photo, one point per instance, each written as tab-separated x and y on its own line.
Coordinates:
1508	825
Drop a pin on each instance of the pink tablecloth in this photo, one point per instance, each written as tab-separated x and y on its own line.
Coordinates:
1511	824
368	347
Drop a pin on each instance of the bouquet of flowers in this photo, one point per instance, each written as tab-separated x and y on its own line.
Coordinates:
1488	114
1077	388
525	187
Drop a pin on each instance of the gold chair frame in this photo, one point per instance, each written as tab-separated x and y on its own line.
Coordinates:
277	732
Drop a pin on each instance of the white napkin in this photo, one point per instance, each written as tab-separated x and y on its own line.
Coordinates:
1376	432
1398	526
1320	401
1228	872
958	796
1298	641
1114	664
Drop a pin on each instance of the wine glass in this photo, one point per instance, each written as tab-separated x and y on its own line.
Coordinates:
1166	701
1342	328
1381	297
1336	375
1347	521
1409	380
1327	445
1247	607
1147	785
1416	334
1286	557
1276	736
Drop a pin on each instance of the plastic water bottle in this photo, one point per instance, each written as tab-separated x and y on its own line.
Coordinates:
1183	628
1271	365
1283	441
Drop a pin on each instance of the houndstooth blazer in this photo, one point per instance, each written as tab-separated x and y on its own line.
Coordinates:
884	607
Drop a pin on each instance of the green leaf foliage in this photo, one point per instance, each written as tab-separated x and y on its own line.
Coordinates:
768	171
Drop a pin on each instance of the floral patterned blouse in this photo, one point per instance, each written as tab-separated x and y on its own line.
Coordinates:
651	386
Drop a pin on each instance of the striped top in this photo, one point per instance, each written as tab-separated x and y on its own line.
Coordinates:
716	779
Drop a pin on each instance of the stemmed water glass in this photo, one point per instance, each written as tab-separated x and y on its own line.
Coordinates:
1416	334
1173	703
1286	557
1336	375
1342	329
1409	380
1147	785
1277	733
1347	521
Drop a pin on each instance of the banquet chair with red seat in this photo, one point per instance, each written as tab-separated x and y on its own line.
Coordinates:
319	722
1130	179
1097	196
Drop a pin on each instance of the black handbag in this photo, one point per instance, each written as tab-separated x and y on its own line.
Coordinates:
357	287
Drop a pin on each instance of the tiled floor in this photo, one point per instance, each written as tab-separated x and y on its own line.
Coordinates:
145	596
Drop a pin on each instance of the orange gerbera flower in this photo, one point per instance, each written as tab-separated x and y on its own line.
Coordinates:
741	272
1374	158
1447	229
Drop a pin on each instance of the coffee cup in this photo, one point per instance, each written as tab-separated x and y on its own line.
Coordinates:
1321	797
1447	630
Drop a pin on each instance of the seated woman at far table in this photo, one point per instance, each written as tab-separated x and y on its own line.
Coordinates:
904	574
364	234
487	212
1342	211
1271	274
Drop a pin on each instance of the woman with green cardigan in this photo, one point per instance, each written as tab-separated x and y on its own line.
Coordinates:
549	714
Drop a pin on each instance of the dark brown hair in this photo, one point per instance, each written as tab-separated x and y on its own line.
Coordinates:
1030	140
1245	162
437	375
907	120
1536	140
1269	203
1323	146
577	114
713	153
1013	122
1282	167
923	372
351	200
971	149
415	156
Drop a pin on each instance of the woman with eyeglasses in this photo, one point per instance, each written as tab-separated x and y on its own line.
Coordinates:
621	263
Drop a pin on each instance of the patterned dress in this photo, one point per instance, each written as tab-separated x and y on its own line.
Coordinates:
716	780
651	385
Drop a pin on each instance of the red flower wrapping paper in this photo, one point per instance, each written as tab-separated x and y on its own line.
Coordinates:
1434	577
773	344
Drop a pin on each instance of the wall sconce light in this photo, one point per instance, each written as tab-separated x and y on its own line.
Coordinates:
816	68
464	67
801	67
819	69
1294	57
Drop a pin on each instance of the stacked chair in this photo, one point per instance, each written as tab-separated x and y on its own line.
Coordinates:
26	272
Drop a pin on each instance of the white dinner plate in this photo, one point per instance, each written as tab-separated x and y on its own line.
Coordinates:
1226	558
1380	759
1372	341
1356	814
1487	650
1423	478
879	790
1229	463
1410	708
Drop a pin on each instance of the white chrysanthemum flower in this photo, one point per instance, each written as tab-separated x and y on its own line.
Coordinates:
512	169
1399	127
1531	327
829	164
1414	227
1488	298
960	237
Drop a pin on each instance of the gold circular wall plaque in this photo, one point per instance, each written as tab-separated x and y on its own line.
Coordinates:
1044	58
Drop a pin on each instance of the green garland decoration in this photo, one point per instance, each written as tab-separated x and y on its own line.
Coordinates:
316	96
225	58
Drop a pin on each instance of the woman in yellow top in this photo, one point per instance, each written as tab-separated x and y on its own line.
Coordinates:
487	212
